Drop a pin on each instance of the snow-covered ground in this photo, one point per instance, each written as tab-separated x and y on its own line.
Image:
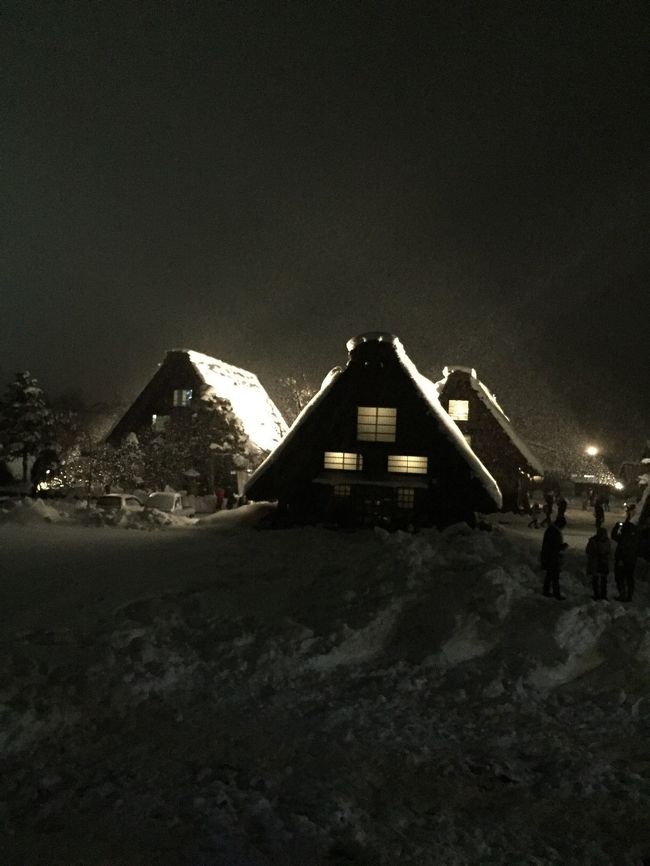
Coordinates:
217	694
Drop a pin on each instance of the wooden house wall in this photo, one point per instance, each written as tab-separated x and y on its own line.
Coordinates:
156	398
374	377
492	445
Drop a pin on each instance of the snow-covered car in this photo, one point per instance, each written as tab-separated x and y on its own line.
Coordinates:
119	502
170	503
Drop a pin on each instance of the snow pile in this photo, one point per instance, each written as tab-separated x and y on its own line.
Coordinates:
336	699
28	511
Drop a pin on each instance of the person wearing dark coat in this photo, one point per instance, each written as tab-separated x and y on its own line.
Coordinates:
599	514
561	505
534	515
547	508
626	537
599	550
551	558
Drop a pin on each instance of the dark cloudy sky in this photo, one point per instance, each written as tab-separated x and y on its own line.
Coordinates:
260	181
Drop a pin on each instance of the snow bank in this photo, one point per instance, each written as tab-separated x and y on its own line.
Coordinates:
324	698
28	511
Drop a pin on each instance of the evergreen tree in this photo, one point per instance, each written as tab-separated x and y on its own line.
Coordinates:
26	424
207	438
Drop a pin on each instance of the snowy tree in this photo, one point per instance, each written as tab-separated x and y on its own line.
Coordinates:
26	422
208	440
293	394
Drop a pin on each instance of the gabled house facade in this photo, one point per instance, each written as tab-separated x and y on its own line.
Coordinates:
374	447
490	434
186	376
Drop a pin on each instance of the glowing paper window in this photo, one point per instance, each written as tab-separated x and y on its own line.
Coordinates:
405	497
459	410
376	424
343	460
182	396
159	422
409	464
342	490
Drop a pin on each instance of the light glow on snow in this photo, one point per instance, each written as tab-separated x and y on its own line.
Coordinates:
260	418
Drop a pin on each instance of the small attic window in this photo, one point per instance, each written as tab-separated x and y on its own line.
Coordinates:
182	396
459	410
376	424
343	460
408	463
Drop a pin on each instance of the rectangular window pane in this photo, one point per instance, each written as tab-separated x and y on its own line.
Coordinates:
182	396
376	423
342	490
459	410
343	460
407	463
159	422
405	497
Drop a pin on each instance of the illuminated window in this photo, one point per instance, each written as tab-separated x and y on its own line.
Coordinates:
159	422
182	396
411	465
376	424
405	497
459	410
342	490
343	460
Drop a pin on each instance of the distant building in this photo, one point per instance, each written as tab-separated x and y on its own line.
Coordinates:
183	376
631	471
374	447
490	434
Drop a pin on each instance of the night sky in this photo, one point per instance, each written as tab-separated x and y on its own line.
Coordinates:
261	181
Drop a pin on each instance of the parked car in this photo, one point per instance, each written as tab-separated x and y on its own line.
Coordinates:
170	503
119	502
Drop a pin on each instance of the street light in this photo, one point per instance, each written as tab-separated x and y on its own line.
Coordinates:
591	450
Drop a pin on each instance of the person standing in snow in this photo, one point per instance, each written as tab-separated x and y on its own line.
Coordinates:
547	509
562	505
551	558
599	550
627	541
599	514
534	515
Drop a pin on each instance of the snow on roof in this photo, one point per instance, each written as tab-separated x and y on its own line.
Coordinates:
490	401
308	410
260	418
428	392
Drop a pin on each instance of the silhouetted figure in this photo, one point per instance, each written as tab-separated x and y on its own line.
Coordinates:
599	550
535	511
599	514
547	509
626	537
551	559
562	505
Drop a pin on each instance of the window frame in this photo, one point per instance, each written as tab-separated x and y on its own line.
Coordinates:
406	498
455	413
418	465
376	423
185	397
331	461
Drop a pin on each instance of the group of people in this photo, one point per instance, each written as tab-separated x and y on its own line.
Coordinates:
550	500
599	557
